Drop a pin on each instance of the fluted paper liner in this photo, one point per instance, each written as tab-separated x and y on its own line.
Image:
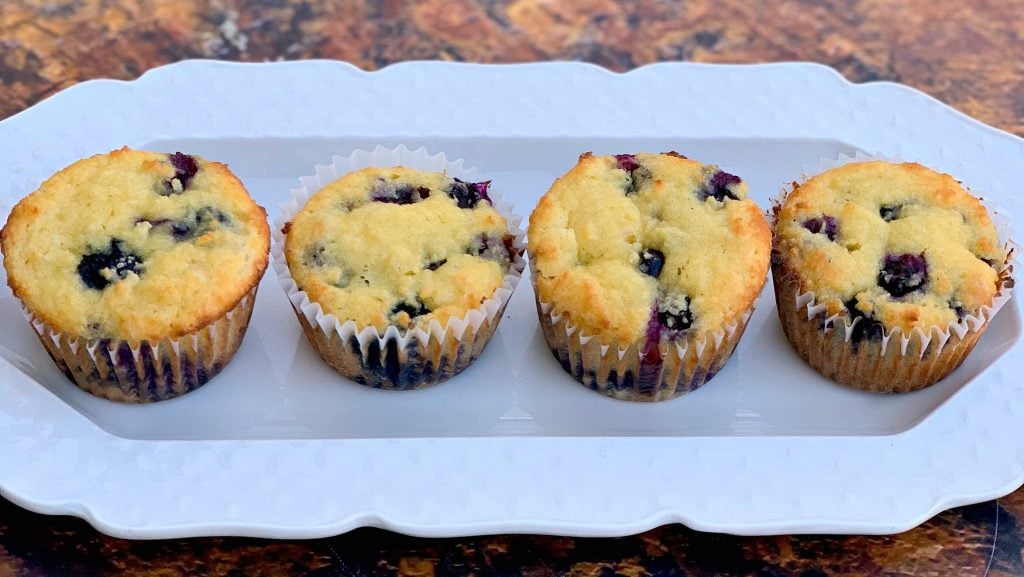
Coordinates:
898	362
141	371
619	369
395	360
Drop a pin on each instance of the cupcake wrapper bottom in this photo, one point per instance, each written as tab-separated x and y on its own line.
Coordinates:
386	363
143	372
629	374
868	365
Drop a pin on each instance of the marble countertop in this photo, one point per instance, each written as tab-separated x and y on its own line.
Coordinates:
965	55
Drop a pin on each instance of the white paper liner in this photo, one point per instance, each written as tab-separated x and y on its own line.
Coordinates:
711	350
420	159
140	371
937	335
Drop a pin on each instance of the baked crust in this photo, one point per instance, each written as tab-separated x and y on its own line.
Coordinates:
203	246
589	230
883	212
398	247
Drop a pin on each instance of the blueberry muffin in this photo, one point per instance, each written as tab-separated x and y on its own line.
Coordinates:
888	250
138	270
412	256
646	268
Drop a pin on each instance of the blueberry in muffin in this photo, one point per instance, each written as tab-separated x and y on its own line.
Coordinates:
148	260
887	249
403	248
646	268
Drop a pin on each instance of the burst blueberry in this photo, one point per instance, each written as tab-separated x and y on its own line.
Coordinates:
100	268
652	261
468	194
185	168
399	193
826	225
636	174
865	327
719	186
493	247
414	308
903	274
626	162
674	316
201	222
890	212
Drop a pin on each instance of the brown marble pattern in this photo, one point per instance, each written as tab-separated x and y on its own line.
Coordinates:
967	54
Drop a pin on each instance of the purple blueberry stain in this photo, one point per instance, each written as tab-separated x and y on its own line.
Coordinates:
185	168
652	261
436	264
827	225
958	308
903	274
626	162
99	269
720	186
468	194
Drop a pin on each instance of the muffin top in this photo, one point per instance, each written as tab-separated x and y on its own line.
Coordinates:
898	244
135	245
628	244
399	247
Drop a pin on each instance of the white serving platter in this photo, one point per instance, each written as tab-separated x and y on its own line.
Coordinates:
280	446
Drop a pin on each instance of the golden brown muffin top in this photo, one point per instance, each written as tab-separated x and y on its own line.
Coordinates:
623	243
399	247
135	245
899	244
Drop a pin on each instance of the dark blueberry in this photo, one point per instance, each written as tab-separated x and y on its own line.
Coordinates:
675	320
116	260
718	186
890	212
826	225
185	168
437	264
865	329
903	274
412	308
626	162
200	223
958	308
636	175
398	193
493	247
468	194
651	262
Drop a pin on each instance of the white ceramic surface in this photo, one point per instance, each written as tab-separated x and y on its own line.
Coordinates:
280	446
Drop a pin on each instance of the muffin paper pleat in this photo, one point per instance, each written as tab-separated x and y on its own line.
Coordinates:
395	359
141	371
898	362
619	369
